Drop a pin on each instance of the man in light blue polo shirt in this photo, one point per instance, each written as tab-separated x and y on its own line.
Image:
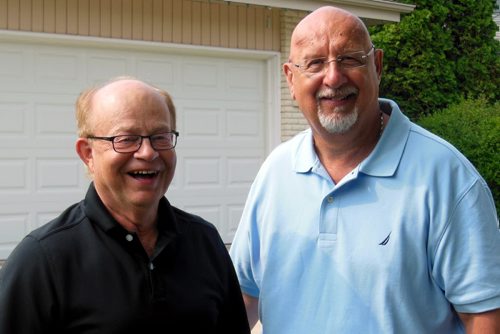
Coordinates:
365	223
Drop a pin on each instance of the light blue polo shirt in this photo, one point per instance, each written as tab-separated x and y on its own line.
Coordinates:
407	236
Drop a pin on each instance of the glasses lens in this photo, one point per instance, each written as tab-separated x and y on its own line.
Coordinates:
125	144
164	141
316	65
355	59
351	60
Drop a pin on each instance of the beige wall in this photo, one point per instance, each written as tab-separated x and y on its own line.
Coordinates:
195	22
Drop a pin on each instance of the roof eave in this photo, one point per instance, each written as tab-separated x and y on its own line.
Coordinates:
377	10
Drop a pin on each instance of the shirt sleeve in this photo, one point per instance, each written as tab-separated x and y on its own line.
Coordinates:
26	291
467	258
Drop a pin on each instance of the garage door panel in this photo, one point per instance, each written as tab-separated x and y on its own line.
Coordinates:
54	120
201	77
102	68
57	175
66	63
241	171
243	82
243	123
25	174
201	122
202	172
234	212
31	120
233	124
13	115
157	71
14	176
15	65
197	170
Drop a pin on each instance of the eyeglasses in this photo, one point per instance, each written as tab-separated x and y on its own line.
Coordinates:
312	67
132	143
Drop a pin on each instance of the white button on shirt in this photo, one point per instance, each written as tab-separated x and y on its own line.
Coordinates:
129	237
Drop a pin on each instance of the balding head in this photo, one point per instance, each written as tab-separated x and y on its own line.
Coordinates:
329	23
110	88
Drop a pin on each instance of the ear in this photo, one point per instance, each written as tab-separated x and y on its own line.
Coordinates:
379	62
287	70
84	151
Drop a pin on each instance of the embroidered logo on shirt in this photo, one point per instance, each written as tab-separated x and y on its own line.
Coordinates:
386	240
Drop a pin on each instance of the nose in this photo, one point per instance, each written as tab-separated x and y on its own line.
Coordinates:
146	151
334	76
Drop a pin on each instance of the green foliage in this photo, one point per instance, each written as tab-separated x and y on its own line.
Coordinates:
473	127
441	52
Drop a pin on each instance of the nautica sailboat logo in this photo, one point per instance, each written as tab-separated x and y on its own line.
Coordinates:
386	240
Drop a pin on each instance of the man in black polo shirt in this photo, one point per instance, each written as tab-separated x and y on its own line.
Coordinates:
123	260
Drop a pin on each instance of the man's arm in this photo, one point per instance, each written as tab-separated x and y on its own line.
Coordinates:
480	323
252	307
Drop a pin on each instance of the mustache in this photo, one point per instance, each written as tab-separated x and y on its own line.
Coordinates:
330	93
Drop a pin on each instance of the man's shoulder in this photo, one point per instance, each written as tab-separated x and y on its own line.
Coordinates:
65	222
291	150
197	230
434	148
184	217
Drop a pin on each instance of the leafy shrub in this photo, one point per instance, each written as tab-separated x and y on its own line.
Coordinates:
440	52
473	127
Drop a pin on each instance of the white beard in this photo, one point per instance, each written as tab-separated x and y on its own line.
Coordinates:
337	122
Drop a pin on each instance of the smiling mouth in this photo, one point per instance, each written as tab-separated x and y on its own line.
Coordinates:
338	97
341	94
144	174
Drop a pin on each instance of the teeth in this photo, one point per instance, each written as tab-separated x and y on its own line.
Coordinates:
144	172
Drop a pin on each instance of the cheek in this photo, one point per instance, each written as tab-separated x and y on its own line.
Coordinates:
305	94
108	163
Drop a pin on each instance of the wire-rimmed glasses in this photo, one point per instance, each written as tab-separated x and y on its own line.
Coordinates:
132	143
316	66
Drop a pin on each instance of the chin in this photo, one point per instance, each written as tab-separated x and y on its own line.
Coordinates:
338	123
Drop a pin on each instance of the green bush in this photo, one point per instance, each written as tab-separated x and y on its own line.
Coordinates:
440	52
473	127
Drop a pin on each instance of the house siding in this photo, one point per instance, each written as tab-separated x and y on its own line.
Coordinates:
292	120
191	22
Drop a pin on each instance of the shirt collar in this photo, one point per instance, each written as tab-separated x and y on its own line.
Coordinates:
382	161
386	156
305	157
100	216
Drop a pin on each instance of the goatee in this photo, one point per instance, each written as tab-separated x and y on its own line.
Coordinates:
340	119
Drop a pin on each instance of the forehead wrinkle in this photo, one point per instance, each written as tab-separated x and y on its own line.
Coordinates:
330	28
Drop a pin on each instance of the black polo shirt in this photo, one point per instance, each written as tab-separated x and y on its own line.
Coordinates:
84	273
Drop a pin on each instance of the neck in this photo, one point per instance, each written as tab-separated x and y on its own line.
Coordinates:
141	222
341	153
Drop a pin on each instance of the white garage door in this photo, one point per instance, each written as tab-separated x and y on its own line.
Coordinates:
223	120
